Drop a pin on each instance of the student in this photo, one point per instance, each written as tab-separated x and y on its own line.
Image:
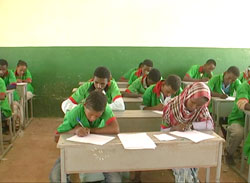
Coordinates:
225	84
96	117
236	121
222	86
23	75
127	75
138	87
158	94
200	73
245	76
4	104
186	110
145	68
10	82
101	82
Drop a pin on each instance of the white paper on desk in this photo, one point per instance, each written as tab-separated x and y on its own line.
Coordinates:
92	139
136	141
230	98
193	135
158	112
165	137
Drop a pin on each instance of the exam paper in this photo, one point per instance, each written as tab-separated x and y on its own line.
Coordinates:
164	137
92	139
193	135
136	141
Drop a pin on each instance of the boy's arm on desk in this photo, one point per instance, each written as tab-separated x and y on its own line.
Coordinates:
111	128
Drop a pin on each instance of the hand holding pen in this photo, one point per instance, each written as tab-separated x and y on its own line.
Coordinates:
223	95
82	131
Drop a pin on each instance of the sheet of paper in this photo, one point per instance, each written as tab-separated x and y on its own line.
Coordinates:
230	98
164	137
193	135
136	141
92	139
159	112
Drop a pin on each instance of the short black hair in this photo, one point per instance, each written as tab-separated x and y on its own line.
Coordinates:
148	62
174	82
154	75
234	70
211	61
3	62
96	101
102	72
21	63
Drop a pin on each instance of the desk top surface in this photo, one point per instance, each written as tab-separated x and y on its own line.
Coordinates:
231	99
128	99
21	84
247	112
137	114
65	143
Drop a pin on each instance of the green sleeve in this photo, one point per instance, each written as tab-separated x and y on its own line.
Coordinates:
235	87
128	74
211	83
70	120
114	90
192	71
2	86
135	86
12	77
132	78
147	96
28	75
243	91
82	92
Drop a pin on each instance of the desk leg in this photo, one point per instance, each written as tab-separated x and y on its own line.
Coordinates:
1	136
218	169
207	175
63	173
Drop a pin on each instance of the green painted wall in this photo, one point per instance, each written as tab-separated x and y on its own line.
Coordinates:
56	70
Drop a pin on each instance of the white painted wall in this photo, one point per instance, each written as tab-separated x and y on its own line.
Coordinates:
191	23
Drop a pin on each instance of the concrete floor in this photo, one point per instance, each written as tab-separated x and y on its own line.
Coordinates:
34	153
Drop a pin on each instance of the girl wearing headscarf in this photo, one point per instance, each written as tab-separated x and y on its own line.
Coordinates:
189	109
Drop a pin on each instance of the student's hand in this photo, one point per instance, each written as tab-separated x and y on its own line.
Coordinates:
223	96
56	138
204	79
159	107
19	80
82	132
180	127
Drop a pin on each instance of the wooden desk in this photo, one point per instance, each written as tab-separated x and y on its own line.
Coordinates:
119	84
112	157
132	103
122	89
22	91
221	108
138	120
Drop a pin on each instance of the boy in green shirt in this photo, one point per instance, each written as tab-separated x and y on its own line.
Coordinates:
4	104
245	76
23	75
138	87
95	117
147	65
101	82
225	84
157	95
127	75
200	73
236	121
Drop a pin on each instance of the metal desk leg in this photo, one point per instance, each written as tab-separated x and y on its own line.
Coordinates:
63	173
207	175
242	163
218	169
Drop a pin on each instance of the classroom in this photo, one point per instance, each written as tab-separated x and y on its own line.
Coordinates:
62	43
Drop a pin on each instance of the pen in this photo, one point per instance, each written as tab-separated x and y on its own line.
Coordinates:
78	120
